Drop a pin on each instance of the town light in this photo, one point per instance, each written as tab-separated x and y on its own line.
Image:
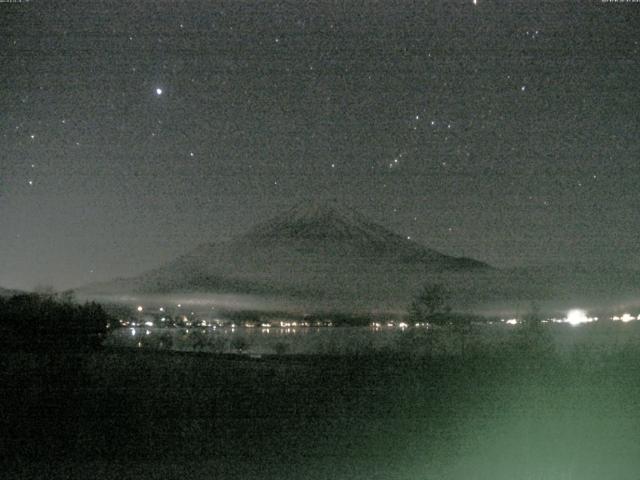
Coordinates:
577	316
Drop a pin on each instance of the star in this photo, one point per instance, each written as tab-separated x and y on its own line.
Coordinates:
30	182
158	91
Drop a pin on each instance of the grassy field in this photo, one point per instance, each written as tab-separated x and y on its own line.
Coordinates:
151	414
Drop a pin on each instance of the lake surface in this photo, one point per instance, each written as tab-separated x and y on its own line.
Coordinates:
417	341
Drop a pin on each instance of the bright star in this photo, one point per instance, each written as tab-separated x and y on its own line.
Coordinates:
158	91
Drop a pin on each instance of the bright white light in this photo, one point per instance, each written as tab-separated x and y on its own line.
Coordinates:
139	308
149	324
158	91
626	318
576	317
512	321
133	332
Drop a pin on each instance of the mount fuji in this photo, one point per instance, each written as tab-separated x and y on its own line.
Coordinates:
318	252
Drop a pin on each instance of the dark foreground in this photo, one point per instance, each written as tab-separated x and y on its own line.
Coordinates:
144	414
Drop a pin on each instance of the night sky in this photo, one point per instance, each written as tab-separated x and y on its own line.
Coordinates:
133	131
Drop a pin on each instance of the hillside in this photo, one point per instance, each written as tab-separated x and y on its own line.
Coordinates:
327	257
314	253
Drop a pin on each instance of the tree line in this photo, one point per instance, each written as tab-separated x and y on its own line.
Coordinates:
51	322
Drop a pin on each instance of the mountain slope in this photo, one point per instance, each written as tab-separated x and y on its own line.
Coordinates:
331	230
316	251
326	257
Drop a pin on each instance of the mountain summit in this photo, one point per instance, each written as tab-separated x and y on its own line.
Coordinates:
333	229
316	250
317	221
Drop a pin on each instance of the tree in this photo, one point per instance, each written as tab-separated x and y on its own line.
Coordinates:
533	338
45	322
431	304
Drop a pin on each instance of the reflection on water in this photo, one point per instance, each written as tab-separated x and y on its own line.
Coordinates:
420	340
266	340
